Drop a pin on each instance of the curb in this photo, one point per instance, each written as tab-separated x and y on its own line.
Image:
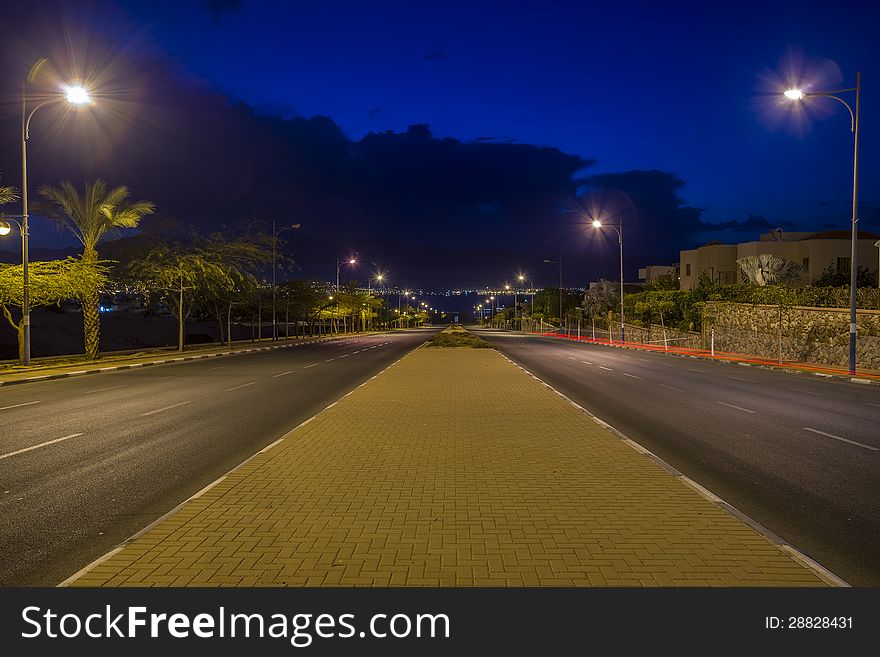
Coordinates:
724	361
818	569
113	368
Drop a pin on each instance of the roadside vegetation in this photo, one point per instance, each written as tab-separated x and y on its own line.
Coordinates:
456	336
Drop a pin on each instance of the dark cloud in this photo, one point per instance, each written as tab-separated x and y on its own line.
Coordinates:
657	220
754	223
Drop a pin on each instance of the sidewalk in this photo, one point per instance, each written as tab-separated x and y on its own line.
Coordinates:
451	468
61	367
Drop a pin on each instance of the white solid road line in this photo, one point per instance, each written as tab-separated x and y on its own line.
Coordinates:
605	368
166	408
845	440
6	408
739	408
633	376
808	392
275	376
308	366
45	444
89	392
672	387
243	385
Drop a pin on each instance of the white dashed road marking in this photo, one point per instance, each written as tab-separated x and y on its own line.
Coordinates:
32	447
739	408
845	440
243	385
166	408
6	408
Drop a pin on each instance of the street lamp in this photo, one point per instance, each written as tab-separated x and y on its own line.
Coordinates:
598	225
799	95
275	234
339	263
378	278
77	96
559	264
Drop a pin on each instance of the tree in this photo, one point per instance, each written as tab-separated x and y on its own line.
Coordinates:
833	276
90	217
767	269
602	298
49	283
179	278
8	195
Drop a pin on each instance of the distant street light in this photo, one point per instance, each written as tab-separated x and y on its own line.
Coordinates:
799	95
75	95
598	225
378	278
275	234
339	263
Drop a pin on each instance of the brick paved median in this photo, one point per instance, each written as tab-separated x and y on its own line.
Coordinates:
451	468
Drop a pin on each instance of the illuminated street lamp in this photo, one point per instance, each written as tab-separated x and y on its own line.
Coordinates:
339	263
598	225
378	278
77	96
799	95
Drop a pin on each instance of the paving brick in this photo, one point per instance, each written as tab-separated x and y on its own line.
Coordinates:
452	468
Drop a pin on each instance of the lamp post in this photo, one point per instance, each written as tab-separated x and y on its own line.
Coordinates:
877	244
598	225
559	264
339	263
799	95
275	234
75	95
378	278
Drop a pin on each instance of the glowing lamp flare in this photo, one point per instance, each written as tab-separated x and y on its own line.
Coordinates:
597	223
77	95
794	94
5	228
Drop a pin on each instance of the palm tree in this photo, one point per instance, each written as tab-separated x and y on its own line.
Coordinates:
767	269
98	212
7	195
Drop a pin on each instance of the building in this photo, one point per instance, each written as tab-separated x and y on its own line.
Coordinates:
649	274
815	251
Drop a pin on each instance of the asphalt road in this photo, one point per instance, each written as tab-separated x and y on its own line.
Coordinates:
799	454
86	462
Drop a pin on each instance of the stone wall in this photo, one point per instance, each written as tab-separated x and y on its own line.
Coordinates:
811	335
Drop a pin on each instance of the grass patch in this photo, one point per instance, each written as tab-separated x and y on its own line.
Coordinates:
455	336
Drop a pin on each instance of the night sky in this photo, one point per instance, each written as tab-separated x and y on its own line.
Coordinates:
458	142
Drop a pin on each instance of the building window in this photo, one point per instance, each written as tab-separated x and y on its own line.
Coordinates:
806	263
843	264
687	269
727	277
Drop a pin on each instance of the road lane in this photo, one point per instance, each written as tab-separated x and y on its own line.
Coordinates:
147	439
760	439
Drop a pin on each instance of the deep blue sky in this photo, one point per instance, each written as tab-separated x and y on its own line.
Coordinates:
636	85
209	108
